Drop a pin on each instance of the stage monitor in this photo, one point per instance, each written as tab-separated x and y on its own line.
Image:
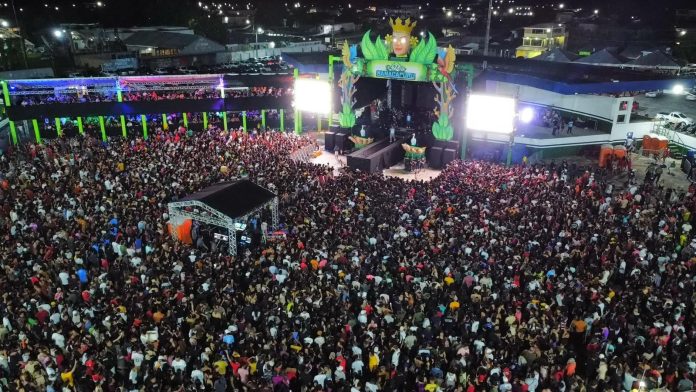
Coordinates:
489	113
313	95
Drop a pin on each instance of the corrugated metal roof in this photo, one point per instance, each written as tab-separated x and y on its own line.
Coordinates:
161	39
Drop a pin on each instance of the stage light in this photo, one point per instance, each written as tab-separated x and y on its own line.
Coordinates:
312	95
527	115
490	113
57	33
678	89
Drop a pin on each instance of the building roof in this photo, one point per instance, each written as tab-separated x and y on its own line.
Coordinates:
161	39
603	56
558	55
235	199
655	59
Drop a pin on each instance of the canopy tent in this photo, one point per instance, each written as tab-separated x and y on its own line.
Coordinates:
225	205
656	60
602	57
558	55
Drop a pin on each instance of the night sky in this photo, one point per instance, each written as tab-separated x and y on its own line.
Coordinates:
36	14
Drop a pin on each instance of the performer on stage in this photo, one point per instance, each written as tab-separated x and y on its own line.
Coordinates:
414	141
363	133
392	134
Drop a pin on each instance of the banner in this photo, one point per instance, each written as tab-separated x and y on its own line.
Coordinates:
385	69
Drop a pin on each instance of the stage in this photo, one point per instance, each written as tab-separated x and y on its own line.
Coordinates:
338	163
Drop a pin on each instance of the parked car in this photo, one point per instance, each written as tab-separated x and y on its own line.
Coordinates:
653	94
690	97
160	71
186	70
678	118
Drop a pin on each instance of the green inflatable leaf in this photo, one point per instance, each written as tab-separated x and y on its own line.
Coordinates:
381	50
368	48
425	51
442	129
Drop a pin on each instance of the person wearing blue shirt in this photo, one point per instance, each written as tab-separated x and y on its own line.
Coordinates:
82	275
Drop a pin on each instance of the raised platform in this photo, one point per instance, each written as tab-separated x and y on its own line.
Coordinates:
377	156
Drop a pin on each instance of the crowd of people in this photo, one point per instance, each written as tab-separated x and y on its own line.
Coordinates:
148	95
64	97
487	278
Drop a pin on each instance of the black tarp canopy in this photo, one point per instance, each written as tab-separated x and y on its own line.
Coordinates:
235	199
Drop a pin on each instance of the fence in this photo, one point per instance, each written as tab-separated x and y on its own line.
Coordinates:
304	154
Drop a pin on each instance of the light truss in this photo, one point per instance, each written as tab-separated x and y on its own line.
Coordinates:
201	212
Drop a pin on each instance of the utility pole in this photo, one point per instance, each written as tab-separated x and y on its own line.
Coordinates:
21	35
488	28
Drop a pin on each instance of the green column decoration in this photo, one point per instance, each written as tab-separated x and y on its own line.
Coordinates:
6	98
143	120
37	133
282	120
13	133
205	121
263	118
165	124
244	125
80	127
59	130
224	121
185	121
102	128
124	131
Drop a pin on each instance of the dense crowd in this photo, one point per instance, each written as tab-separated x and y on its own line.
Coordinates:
135	96
73	97
487	278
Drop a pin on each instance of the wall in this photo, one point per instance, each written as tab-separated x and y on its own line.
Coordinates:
600	107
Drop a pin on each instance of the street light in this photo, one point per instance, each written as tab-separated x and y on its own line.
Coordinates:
256	47
449	14
271	44
4	23
57	33
596	12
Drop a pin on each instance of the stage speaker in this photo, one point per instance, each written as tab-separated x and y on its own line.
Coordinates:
686	165
435	157
329	141
448	155
342	143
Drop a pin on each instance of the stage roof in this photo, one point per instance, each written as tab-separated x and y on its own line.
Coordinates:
233	198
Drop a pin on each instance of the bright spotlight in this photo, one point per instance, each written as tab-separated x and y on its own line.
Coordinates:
57	33
259	30
489	113
271	44
678	89
4	23
527	115
313	95
449	14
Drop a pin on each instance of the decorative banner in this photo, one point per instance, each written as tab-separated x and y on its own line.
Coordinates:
385	69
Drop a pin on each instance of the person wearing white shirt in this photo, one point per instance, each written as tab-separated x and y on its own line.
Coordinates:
357	366
178	364
137	358
197	375
64	278
58	340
